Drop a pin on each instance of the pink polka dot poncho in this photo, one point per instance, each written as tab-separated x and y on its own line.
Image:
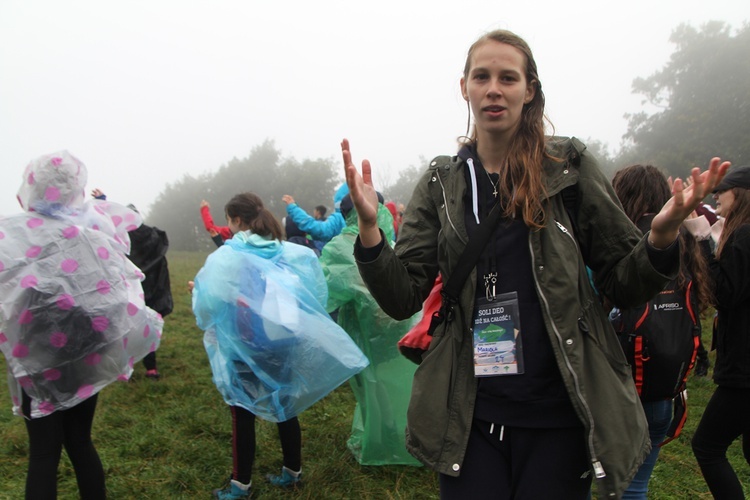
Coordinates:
72	313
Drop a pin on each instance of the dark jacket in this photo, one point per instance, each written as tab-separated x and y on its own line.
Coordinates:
587	352
731	281
148	251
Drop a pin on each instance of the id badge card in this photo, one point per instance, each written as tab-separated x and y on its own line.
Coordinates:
497	337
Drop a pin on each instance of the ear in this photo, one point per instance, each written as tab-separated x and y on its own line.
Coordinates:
530	92
464	93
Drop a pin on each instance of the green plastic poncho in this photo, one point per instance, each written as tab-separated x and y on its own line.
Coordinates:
383	388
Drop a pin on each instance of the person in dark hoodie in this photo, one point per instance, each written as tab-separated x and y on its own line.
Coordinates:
148	252
573	413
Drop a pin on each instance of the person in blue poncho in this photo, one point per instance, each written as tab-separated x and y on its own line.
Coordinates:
273	349
320	230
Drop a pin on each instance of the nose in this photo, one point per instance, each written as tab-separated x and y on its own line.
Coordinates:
495	89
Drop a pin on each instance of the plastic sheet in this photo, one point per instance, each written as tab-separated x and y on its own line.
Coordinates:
273	348
382	390
72	313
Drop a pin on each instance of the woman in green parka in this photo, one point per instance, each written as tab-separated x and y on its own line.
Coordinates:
382	389
569	410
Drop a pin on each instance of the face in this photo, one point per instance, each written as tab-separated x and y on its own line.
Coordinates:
496	89
234	224
724	200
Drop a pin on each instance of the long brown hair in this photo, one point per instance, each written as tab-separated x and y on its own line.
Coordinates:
739	213
249	208
643	190
521	182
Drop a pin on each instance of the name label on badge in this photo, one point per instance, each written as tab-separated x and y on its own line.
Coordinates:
497	337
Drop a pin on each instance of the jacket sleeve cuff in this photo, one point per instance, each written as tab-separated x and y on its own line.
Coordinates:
365	255
663	260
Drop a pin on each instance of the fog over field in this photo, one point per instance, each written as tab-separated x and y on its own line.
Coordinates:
144	92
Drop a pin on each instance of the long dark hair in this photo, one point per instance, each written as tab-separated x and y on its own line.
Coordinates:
249	208
739	213
643	190
521	182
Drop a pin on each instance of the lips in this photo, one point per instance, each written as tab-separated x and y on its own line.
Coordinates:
494	111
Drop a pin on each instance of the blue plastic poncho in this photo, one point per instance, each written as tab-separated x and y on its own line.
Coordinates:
320	230
72	314
273	348
382	390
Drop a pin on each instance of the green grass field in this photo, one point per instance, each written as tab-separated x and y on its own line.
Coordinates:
170	439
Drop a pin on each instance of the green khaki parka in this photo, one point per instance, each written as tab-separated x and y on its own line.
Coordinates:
593	366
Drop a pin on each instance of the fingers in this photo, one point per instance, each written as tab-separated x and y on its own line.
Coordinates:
699	183
367	172
346	154
345	148
716	173
677	192
349	170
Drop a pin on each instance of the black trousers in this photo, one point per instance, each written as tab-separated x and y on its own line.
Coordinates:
243	443
521	464
70	428
149	361
726	417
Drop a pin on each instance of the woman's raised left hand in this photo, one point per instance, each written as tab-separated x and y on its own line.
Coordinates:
686	196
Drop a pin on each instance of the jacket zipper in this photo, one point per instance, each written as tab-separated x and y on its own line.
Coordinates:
566	231
596	464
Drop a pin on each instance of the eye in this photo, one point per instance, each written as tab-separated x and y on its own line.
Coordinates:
480	76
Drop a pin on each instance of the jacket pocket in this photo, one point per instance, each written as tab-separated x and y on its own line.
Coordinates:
598	330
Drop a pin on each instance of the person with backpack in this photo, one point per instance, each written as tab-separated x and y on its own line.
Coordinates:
727	415
524	391
660	337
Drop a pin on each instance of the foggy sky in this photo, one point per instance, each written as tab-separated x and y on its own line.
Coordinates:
144	92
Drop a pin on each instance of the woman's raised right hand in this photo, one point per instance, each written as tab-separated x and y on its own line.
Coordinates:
364	197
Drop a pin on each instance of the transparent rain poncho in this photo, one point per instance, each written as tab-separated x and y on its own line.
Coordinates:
273	348
382	390
72	314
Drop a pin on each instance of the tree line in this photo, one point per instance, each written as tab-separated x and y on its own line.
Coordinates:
702	102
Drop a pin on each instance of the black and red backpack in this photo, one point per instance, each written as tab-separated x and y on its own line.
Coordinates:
660	340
